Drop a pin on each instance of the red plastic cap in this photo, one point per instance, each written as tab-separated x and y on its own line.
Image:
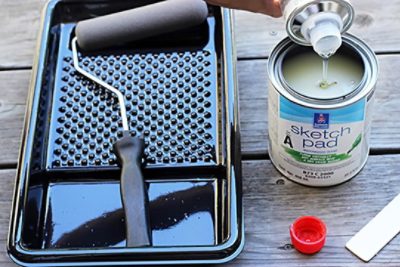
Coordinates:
308	234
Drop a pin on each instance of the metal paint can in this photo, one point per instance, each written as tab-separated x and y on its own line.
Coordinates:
320	141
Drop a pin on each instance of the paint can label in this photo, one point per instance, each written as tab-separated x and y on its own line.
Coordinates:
318	147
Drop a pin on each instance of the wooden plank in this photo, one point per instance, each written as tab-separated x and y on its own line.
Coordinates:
253	106
20	24
272	202
13	88
7	178
375	22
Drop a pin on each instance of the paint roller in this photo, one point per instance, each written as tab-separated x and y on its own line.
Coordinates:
119	28
139	23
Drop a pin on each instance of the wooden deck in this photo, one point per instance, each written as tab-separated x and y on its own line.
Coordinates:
271	202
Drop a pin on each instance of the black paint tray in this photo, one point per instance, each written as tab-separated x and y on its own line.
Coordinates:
181	97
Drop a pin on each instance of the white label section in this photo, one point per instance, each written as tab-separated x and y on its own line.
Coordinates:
317	147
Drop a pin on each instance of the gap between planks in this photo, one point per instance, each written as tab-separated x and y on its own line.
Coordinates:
8	166
13	68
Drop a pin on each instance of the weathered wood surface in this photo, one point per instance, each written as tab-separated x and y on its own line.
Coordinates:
19	20
253	108
271	203
14	88
376	22
7	178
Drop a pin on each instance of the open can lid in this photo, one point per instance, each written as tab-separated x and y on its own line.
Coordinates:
300	14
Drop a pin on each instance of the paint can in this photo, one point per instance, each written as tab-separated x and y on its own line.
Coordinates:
320	140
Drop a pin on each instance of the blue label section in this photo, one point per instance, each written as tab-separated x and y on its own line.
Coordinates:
293	112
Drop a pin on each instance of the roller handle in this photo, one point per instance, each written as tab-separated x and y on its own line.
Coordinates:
129	152
139	23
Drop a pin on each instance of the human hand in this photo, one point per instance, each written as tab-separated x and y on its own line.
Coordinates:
269	7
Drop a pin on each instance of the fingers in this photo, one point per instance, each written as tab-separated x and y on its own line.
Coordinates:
273	8
269	7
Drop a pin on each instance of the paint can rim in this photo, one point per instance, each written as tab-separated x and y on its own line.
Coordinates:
365	88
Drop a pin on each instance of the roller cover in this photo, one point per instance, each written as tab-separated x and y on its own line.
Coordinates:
140	23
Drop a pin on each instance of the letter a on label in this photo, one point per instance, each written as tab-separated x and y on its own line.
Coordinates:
288	141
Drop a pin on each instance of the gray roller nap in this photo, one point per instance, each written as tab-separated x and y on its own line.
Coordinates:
140	23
